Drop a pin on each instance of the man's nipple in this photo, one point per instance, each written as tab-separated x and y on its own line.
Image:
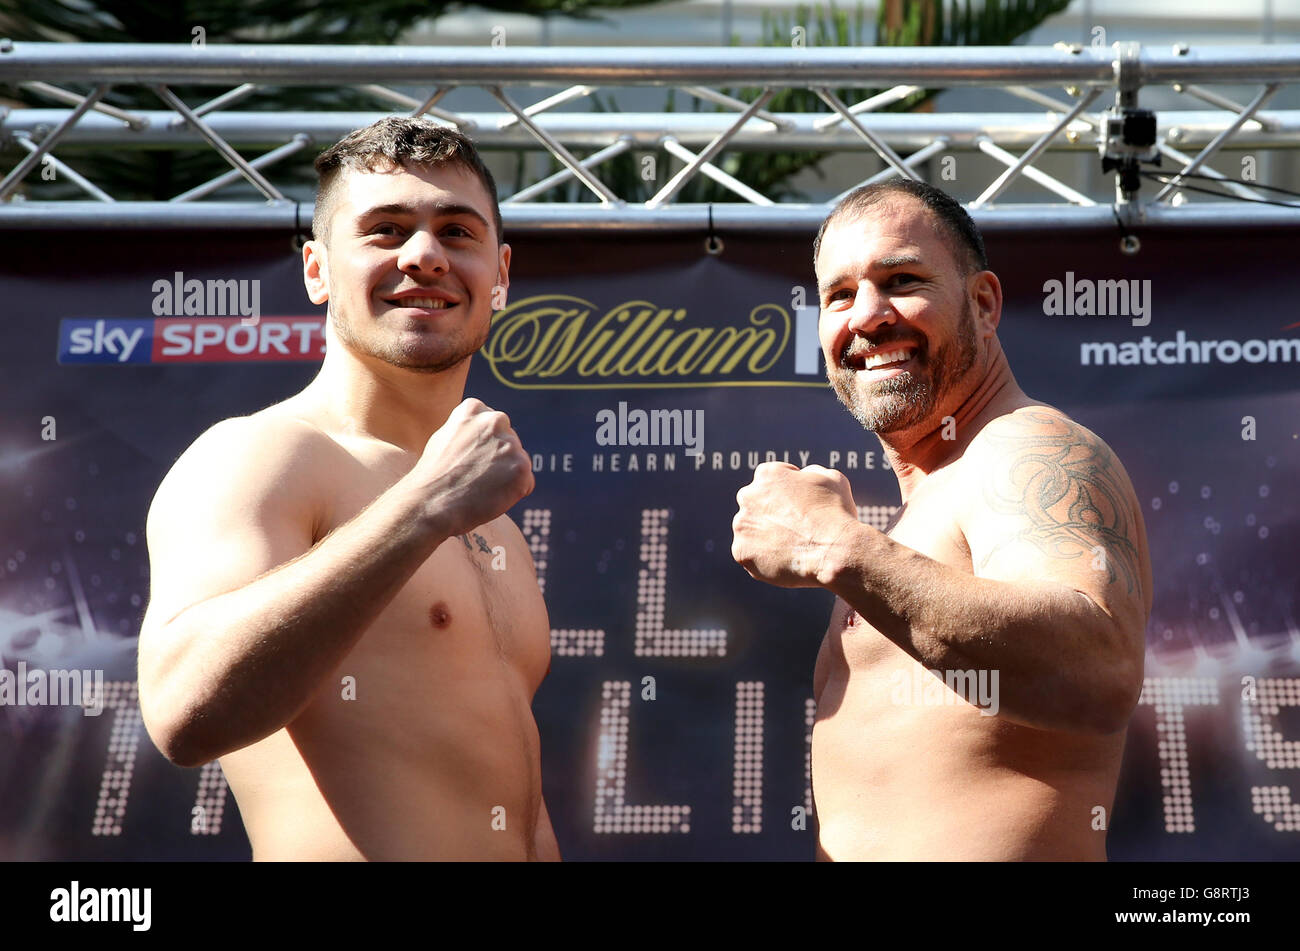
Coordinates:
439	616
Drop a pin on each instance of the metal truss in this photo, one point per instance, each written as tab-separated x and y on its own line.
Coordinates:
1086	81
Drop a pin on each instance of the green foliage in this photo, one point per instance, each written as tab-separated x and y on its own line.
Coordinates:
923	23
160	174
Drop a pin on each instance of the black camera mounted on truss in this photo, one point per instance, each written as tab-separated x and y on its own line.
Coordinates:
1128	138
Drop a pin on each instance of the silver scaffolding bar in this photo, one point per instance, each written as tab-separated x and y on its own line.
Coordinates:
895	69
737	217
694	130
232	64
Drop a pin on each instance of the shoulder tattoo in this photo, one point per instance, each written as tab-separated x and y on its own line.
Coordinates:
1064	485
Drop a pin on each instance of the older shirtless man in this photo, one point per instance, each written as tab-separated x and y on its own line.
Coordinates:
341	612
985	651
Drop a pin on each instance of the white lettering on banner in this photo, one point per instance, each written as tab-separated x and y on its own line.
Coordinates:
1169	695
612	812
287	337
116	340
1181	350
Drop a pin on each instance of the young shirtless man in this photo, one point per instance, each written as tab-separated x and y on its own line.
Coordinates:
341	612
986	650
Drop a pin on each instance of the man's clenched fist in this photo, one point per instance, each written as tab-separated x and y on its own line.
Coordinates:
788	519
473	468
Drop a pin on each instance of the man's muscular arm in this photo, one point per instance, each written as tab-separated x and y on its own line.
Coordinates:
246	617
1058	602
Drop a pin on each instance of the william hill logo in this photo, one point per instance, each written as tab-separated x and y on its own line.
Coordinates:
554	341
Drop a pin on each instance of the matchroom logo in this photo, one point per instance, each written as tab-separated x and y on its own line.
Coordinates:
1182	349
555	341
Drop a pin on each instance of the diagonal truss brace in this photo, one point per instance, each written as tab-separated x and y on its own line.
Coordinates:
300	141
71	174
985	145
550	181
1000	184
871	104
553	145
678	181
913	160
882	149
1264	96
550	102
34	157
708	169
220	144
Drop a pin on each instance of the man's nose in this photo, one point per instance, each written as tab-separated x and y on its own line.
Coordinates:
423	252
870	311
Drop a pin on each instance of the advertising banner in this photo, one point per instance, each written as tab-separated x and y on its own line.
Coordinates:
647	378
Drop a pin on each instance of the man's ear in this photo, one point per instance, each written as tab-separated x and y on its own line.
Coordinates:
503	279
503	266
986	290
316	272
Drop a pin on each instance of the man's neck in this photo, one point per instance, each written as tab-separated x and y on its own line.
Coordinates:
916	452
372	399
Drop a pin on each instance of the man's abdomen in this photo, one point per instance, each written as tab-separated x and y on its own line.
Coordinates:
899	775
449	777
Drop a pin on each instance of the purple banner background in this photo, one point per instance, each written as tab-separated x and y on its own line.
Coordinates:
1211	764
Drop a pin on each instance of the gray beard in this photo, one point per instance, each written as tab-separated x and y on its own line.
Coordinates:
903	401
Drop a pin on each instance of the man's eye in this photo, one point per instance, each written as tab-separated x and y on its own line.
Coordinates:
842	292
384	229
457	231
903	278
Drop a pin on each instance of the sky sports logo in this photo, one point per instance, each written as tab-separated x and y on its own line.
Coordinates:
191	340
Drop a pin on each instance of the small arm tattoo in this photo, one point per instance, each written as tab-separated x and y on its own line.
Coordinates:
483	546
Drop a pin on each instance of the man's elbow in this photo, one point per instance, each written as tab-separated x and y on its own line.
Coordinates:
175	736
1120	643
1116	697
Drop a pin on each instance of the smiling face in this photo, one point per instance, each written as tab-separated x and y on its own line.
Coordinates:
897	324
411	265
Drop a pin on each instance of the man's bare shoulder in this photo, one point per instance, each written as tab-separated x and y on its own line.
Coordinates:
273	453
1037	419
1037	477
1037	433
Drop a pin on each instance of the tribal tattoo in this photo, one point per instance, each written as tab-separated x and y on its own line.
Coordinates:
1066	483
